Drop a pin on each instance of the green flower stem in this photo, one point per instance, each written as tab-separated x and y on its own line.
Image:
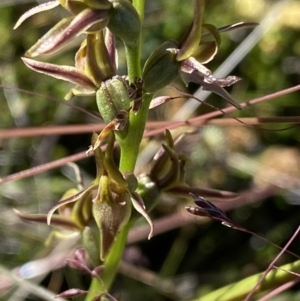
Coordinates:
240	289
140	8
133	55
111	265
130	143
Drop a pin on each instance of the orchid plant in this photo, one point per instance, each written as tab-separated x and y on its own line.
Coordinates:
102	212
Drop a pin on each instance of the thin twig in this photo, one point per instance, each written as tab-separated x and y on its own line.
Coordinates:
270	267
88	128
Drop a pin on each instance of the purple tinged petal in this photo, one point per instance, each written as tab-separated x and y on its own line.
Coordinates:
191	64
97	270
221	92
71	293
80	255
222	82
196	211
160	100
204	213
139	206
209	209
65	30
110	43
202	79
57	220
68	200
35	10
75	264
48	42
66	73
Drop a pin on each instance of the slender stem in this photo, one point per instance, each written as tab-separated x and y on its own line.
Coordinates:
140	8
133	62
129	144
111	265
133	54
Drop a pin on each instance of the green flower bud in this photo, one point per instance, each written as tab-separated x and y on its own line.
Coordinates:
125	22
113	97
161	68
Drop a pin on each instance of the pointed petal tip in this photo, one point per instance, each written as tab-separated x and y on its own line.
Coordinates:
35	10
150	234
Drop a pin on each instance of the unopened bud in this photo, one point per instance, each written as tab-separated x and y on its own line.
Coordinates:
124	22
113	97
161	68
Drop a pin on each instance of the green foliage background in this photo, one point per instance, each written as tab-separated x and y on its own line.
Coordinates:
207	255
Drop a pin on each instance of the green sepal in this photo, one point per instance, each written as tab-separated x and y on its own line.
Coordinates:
76	6
209	47
124	22
161	68
98	63
148	191
192	42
